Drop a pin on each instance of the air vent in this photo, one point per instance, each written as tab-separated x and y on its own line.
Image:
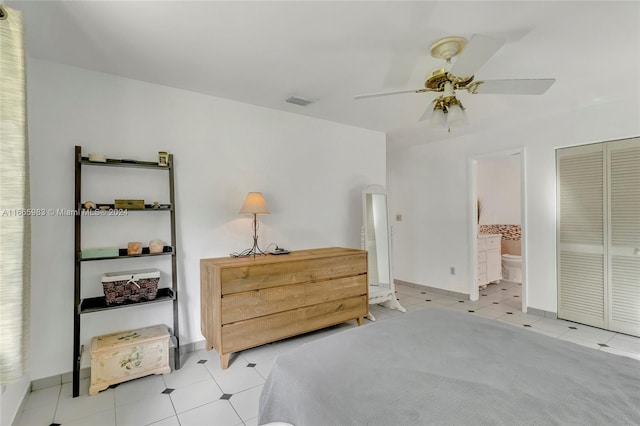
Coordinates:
298	101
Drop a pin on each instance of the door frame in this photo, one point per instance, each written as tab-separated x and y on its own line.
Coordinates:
472	167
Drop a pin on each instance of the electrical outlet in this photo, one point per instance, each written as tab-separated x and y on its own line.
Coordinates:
453	270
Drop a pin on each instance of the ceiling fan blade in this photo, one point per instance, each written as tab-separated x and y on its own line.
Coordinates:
512	87
478	51
401	66
397	92
413	26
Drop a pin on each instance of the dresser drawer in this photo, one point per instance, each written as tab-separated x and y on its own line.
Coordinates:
493	243
258	303
482	256
246	278
482	279
247	334
482	268
482	243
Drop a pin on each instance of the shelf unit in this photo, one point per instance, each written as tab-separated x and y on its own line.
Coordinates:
98	304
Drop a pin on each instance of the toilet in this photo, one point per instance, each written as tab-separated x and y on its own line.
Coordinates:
512	268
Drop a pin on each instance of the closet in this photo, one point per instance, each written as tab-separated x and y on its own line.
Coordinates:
598	235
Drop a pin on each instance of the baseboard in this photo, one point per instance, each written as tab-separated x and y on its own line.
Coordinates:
461	296
192	347
542	313
58	379
17	415
18	418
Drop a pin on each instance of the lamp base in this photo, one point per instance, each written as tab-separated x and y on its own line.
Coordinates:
253	251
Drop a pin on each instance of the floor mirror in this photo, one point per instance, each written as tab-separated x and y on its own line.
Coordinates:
376	240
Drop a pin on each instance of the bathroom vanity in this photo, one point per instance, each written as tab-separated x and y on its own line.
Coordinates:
489	259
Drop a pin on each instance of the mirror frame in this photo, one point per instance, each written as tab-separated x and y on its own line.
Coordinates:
386	295
377	190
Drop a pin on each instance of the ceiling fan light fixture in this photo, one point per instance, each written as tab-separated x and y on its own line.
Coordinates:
456	115
438	120
427	114
447	112
438	116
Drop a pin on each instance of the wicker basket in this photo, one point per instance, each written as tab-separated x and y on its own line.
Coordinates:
130	286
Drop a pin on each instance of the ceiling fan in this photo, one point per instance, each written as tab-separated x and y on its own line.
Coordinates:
447	110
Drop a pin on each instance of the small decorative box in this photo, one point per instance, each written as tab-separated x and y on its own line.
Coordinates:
129	204
100	252
127	355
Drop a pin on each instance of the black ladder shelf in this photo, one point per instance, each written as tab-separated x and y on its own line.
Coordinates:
97	304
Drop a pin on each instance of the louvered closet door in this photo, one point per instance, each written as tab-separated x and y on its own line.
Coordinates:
624	236
581	234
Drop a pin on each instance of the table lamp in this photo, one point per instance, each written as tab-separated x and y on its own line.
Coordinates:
254	204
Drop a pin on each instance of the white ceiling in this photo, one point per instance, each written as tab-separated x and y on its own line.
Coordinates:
263	52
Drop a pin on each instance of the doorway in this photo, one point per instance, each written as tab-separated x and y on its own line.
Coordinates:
497	206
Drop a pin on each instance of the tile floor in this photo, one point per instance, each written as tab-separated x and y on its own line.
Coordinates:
200	393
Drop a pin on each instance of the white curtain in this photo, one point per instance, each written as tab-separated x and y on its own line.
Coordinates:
15	235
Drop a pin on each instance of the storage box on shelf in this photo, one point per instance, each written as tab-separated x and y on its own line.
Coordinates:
97	253
129	204
130	286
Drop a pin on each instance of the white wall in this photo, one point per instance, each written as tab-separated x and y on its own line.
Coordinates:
429	185
11	396
499	190
311	172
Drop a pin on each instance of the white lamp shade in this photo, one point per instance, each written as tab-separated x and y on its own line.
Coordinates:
426	115
438	119
254	204
456	116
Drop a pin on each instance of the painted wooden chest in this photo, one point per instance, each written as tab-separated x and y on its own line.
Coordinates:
127	355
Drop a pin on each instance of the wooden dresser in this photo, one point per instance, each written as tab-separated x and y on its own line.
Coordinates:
246	302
